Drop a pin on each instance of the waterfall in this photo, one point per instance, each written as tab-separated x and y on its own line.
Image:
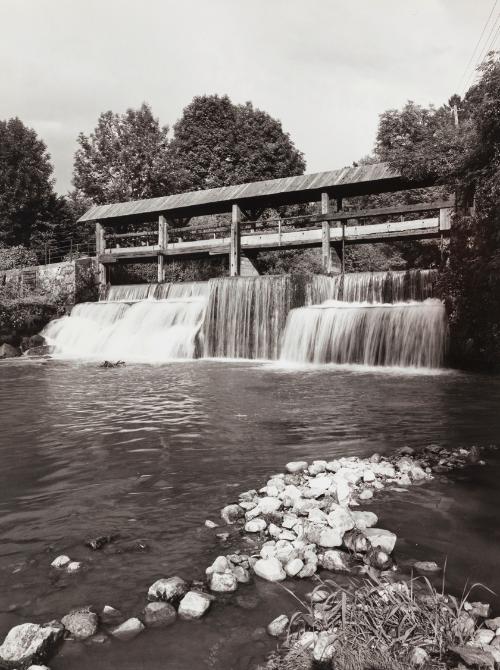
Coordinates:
246	316
378	318
134	325
409	334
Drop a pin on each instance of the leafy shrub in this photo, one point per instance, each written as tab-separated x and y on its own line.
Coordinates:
16	257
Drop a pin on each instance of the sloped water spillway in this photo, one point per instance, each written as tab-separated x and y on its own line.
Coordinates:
387	319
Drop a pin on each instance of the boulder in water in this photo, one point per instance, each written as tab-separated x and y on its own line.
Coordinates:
170	589
278	626
269	569
159	614
128	629
379	537
81	623
29	643
8	351
194	605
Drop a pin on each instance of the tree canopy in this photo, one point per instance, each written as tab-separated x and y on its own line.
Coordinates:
217	143
27	197
126	157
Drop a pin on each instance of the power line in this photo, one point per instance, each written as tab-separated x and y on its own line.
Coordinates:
477	44
490	41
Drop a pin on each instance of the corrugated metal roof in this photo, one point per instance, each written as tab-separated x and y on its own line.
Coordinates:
273	191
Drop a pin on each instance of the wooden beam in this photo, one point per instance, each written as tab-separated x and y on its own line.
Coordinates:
326	258
100	248
235	251
382	211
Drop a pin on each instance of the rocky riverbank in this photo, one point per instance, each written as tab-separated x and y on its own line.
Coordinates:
305	523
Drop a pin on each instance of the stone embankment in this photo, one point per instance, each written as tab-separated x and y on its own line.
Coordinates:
305	520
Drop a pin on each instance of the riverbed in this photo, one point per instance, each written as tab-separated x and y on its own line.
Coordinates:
146	453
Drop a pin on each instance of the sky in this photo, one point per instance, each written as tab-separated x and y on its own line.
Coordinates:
325	68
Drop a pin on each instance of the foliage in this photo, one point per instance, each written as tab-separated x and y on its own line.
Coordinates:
27	199
217	143
289	261
16	256
466	160
175	271
126	157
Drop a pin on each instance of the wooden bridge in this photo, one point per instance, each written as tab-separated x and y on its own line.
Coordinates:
176	233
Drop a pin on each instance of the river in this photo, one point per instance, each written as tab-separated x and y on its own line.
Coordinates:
148	452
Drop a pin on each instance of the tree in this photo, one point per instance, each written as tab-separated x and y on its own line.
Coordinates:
26	184
217	143
125	158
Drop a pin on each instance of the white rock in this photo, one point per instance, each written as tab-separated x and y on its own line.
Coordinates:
333	466
289	521
308	639
242	575
223	582
285	551
159	614
340	519
368	476
278	626
296	466
274	531
193	605
272	491
364	520
269	505
255	525
82	624
335	560
293	567
276	482
320	485
419	657
379	537
220	565
169	589
330	537
287	535
483	636
317	516
366	494
270	569
38	667
28	641
74	566
61	561
210	524
231	513
128	629
324	648
291	494
343	492
252	513
316	467
268	550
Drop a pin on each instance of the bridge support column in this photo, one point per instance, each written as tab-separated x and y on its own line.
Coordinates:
235	251
162	243
100	247
325	235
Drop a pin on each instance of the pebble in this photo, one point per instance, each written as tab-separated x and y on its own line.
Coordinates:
211	524
278	626
426	566
128	629
74	566
296	466
194	605
255	525
61	561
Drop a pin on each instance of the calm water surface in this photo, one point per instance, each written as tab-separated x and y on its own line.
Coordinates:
149	452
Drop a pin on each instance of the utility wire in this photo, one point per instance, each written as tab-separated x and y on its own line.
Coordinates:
477	44
487	46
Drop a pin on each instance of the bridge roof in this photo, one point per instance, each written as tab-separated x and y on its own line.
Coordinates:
351	181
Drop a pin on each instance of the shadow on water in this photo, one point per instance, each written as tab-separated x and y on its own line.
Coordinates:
148	453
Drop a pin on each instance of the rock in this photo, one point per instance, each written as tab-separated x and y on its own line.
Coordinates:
242	574
308	570
223	583
170	589
159	614
308	639
60	562
293	567
81	623
379	537
211	524
269	505
482	610
464	625
111	616
335	561
324	648
330	537
43	350
289	521
378	558
128	629
483	637
419	657
269	569
296	466
343	492
278	626
74	566
8	351
355	541
493	624
255	525
231	513
99	638
426	566
318	595
368	476
340	519
364	520
220	565
274	531
29	643
317	516
317	467
97	543
287	535
194	605
366	494
474	657
38	667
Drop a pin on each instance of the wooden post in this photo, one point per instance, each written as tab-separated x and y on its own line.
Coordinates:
162	244
342	252
326	255
235	252
100	248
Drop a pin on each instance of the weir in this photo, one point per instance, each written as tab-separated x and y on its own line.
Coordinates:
384	319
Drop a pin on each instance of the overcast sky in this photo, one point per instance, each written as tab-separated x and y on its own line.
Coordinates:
326	68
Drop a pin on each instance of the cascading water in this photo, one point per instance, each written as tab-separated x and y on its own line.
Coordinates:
409	334
133	324
367	318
